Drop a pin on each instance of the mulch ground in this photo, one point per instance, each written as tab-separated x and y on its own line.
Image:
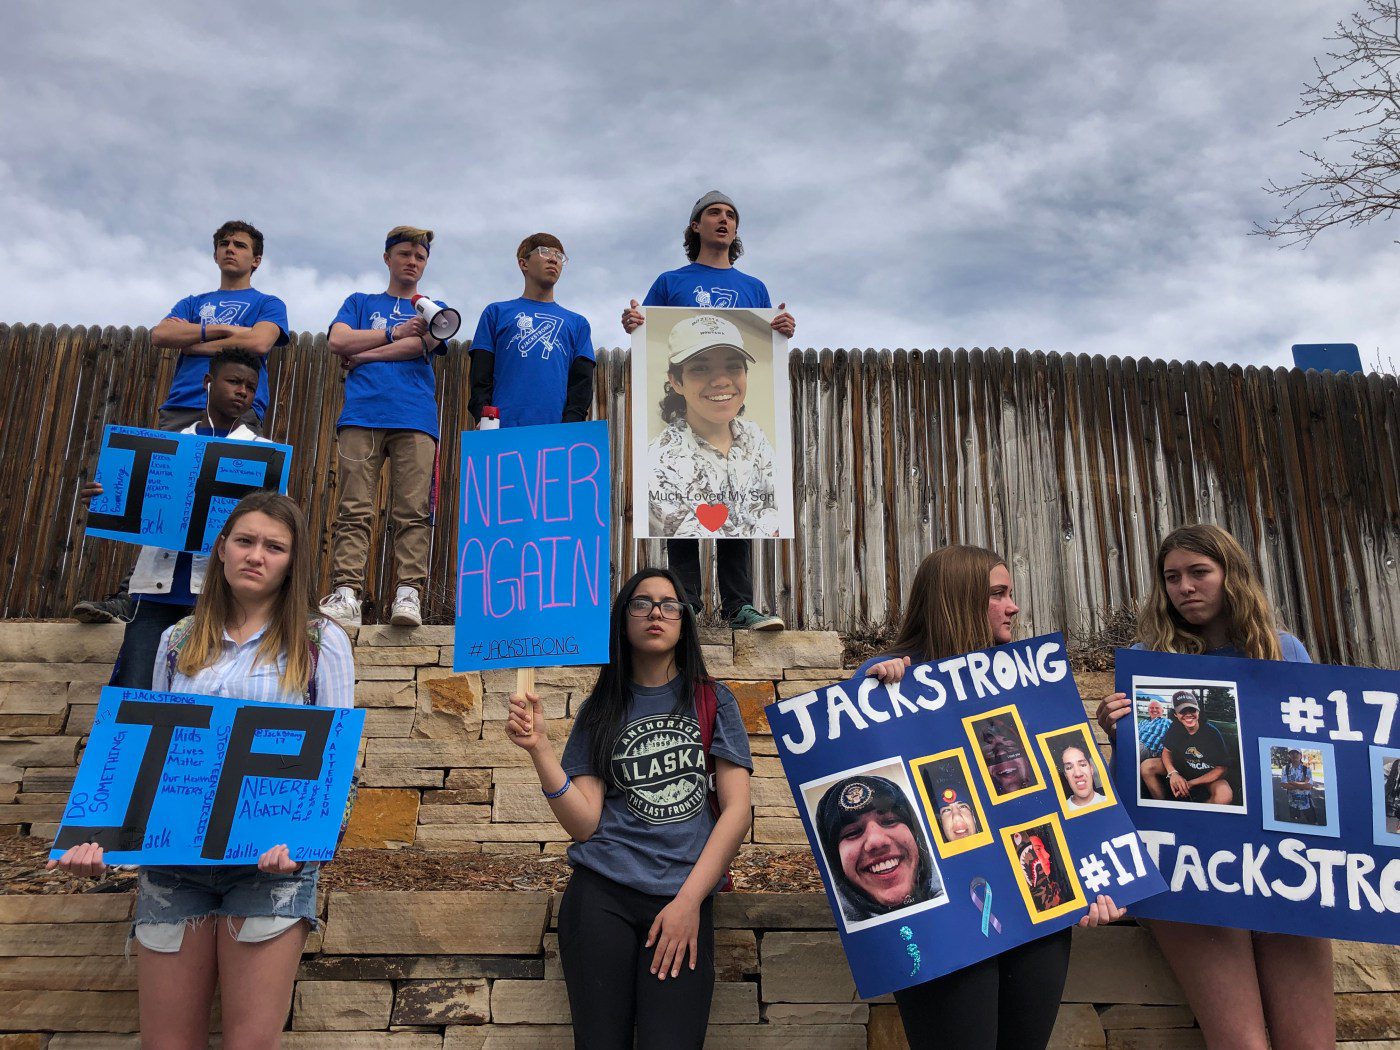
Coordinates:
786	871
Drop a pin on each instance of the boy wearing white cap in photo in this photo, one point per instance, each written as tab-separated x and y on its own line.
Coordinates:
710	280
706	451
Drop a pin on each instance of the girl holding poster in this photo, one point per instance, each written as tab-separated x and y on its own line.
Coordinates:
242	927
960	602
652	839
1246	988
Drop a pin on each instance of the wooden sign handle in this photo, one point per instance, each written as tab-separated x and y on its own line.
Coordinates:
525	683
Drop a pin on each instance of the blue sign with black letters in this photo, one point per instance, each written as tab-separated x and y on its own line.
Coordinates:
179	778
1267	792
958	813
175	491
533	549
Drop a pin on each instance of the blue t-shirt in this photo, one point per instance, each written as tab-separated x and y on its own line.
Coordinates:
1292	650
707	286
654	826
388	395
245	308
535	345
180	593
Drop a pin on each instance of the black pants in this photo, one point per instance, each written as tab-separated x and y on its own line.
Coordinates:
732	564
136	661
603	928
1009	1002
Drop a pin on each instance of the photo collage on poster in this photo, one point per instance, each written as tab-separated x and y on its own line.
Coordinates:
883	860
1197	722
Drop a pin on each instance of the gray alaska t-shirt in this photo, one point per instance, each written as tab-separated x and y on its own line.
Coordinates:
654	826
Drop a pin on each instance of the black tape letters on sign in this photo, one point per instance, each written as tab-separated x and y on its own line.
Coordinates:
207	486
144	446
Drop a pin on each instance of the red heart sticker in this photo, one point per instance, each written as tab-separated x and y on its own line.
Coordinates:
712	515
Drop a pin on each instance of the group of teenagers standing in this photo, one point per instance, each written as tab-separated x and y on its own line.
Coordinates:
636	927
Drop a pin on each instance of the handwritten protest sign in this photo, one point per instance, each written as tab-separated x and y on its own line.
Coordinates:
175	491
178	778
958	813
533	547
1284	813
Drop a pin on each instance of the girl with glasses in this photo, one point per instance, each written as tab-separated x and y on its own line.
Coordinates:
1247	989
653	831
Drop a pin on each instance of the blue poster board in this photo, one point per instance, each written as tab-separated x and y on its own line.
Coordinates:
958	813
175	491
533	554
1300	830
178	778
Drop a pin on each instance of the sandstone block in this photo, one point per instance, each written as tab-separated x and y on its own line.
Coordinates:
70	1011
386	694
26	752
387	673
529	1002
61	939
53	642
388	635
787	649
769	911
400	777
335	1006
436	922
1130	1016
1156	1039
817	1013
511	849
785	1037
779	829
24	1041
449	705
735	1002
579	679
33	698
361	1041
388	721
49	778
419	967
509	1037
736	954
753	695
1360	967
94	674
717	636
460	797
817	676
885	1031
520	802
31	725
1119	964
381	816
804	967
496	706
1367	1015
442	1002
106	973
396	656
1077	1027
470	780
452	836
771	792
66	907
480	814
80	719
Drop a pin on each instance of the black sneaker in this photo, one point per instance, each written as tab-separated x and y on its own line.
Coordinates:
115	608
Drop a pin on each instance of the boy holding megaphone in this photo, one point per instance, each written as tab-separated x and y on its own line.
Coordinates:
384	341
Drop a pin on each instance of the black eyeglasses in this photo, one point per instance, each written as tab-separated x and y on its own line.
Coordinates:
670	608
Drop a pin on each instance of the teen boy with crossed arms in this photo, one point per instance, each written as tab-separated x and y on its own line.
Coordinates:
712	244
235	316
390	413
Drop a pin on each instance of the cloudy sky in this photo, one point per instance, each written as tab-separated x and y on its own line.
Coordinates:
1076	176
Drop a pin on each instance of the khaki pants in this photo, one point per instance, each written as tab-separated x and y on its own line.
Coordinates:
411	454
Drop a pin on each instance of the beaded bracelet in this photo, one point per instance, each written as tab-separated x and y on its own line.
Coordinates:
555	794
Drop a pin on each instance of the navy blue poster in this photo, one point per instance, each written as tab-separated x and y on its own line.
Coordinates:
958	813
1267	792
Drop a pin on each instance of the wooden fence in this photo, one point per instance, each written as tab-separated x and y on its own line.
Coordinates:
1072	466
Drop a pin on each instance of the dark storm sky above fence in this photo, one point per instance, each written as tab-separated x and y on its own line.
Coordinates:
1076	177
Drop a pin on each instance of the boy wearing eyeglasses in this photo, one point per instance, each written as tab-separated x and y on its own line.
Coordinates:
531	358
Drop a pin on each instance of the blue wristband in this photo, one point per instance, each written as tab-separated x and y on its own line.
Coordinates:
203	322
388	334
555	794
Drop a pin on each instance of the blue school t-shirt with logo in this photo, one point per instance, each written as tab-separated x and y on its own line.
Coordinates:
245	308
388	395
708	287
656	822
535	345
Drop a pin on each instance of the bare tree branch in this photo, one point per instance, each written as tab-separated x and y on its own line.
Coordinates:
1361	79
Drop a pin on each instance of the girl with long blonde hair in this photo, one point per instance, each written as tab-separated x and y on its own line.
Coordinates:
1246	988
959	602
250	637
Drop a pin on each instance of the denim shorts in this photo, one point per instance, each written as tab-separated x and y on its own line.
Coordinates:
168	898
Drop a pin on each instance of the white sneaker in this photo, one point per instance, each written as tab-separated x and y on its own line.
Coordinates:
406	611
342	606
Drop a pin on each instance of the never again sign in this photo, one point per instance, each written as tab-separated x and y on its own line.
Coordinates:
533	547
178	778
175	491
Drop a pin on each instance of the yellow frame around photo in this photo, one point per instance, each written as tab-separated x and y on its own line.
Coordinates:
1018	873
951	849
1010	709
1043	741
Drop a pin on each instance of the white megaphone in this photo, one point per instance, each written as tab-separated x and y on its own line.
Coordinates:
442	321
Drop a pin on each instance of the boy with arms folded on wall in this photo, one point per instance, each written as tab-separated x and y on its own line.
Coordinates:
531	358
390	413
710	280
235	316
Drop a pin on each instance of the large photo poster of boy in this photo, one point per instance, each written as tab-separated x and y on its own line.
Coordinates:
711	425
